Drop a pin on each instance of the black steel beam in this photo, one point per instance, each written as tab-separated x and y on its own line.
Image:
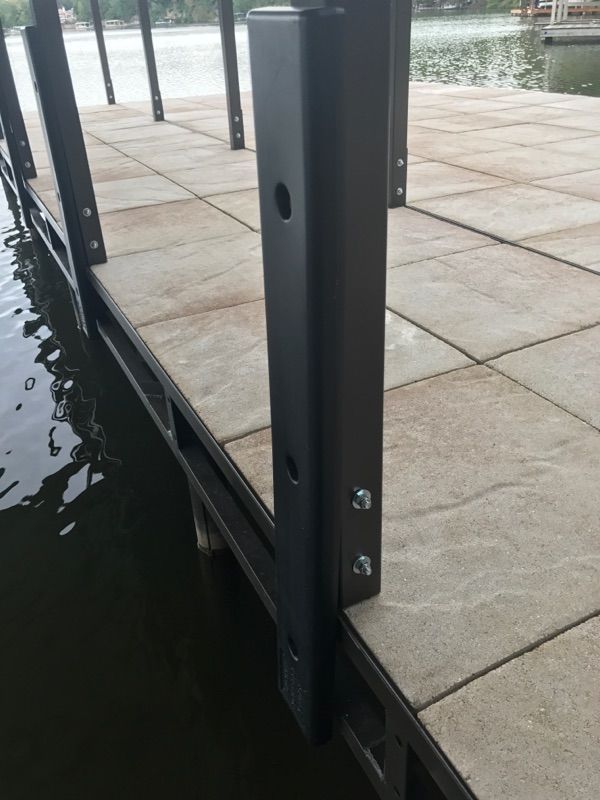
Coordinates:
399	85
98	30
146	28
321	128
232	78
11	118
55	97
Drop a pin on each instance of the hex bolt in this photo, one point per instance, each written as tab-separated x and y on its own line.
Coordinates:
362	500
94	244
27	164
238	135
87	212
400	163
362	566
22	143
236	119
399	191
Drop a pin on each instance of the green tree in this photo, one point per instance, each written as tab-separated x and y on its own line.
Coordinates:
14	13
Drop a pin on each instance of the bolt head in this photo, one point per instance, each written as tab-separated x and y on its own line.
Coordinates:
362	500
363	566
400	162
22	143
399	191
236	119
87	212
27	164
94	245
238	135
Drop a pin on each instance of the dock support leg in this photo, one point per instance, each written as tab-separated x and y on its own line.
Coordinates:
396	762
232	79
320	80
15	133
146	28
59	116
399	85
210	541
98	30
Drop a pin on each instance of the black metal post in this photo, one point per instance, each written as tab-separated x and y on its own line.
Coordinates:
13	128
64	139
232	79
146	28
320	81
98	30
399	84
11	117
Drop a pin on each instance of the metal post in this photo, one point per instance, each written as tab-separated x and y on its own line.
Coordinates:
146	28
232	79
55	97
399	83
320	81
11	116
98	30
13	127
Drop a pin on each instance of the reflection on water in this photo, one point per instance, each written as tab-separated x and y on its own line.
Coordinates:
130	667
494	49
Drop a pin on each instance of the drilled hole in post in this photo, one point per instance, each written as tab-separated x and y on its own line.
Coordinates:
293	649
292	469
284	201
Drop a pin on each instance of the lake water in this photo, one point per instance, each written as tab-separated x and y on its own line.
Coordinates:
492	49
130	667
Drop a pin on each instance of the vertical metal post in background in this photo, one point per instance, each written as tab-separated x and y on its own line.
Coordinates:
146	28
320	83
98	30
55	97
399	85
15	134
232	78
12	117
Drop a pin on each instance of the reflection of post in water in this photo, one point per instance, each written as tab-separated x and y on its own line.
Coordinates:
54	327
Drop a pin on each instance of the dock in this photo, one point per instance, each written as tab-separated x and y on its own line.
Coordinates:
468	667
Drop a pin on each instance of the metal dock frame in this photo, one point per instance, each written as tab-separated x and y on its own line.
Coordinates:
399	82
79	231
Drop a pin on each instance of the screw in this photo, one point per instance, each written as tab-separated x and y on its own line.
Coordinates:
94	244
399	191
236	119
27	164
362	500
22	143
87	212
238	135
363	566
400	163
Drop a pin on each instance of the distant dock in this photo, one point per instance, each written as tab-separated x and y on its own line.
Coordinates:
450	631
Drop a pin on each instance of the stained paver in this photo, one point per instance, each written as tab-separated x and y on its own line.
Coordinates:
489	499
565	370
529	730
495	299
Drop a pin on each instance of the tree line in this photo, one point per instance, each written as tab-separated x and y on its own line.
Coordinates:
16	12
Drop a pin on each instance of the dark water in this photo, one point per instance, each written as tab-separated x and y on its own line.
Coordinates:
130	666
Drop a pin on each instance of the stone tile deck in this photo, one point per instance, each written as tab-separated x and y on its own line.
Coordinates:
492	447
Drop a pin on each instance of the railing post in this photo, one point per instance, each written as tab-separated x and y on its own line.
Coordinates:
55	97
14	131
232	79
98	30
399	84
146	28
320	83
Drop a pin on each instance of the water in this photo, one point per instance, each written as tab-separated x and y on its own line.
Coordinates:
131	667
485	49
